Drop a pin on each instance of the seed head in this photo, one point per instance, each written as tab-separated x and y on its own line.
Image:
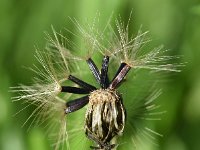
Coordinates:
105	117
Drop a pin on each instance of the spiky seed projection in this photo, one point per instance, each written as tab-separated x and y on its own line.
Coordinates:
106	113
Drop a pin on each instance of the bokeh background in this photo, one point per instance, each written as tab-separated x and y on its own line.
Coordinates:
173	23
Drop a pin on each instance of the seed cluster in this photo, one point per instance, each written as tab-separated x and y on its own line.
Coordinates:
105	115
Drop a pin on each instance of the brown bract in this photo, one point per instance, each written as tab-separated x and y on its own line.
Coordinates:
105	116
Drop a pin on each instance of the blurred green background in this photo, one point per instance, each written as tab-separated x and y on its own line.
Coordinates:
173	23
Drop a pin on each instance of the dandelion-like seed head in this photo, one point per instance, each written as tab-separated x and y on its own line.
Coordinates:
105	117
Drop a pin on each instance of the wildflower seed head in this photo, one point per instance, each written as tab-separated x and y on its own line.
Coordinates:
105	116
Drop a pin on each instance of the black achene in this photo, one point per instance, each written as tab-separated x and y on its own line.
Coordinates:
105	115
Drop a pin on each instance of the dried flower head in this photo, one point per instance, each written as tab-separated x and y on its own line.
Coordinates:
105	118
